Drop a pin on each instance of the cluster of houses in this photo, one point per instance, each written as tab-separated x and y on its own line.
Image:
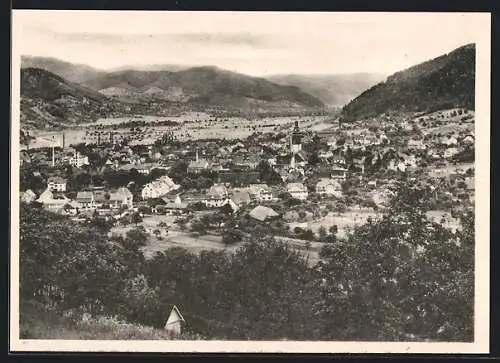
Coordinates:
235	165
54	199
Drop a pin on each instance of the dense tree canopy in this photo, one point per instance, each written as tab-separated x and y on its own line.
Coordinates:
399	277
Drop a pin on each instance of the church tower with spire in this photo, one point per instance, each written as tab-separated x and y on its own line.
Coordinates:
296	139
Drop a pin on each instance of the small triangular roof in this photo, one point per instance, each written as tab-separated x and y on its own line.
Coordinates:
174	317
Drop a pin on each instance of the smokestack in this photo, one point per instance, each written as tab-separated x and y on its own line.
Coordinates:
64	140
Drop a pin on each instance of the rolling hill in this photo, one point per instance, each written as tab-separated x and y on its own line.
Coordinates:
201	85
50	100
444	82
333	90
205	85
76	73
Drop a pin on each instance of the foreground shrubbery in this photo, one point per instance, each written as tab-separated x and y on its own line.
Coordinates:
400	277
39	322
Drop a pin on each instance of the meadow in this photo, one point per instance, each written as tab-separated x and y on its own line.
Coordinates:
192	126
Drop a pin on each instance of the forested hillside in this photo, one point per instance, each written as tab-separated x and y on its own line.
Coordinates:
441	83
47	99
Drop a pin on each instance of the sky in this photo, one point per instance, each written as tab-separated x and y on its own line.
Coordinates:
254	43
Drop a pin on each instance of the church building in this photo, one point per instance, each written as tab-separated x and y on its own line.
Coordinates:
296	158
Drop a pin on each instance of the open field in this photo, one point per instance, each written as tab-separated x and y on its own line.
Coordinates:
188	116
344	221
190	127
445	217
195	243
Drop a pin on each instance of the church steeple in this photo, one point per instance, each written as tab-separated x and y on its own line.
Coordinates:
296	139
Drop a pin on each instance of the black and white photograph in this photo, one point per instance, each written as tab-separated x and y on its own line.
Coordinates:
250	182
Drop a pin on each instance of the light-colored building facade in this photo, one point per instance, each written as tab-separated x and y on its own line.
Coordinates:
56	184
78	160
297	190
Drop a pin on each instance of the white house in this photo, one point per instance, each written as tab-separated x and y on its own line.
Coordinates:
261	192
55	183
338	173
297	190
78	160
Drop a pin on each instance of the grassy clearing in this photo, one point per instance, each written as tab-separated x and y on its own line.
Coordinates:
36	322
345	221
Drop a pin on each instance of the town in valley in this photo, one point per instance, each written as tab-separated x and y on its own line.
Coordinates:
309	177
201	203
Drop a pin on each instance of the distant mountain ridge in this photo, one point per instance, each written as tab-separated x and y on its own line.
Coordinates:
447	81
76	73
175	83
333	90
205	85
